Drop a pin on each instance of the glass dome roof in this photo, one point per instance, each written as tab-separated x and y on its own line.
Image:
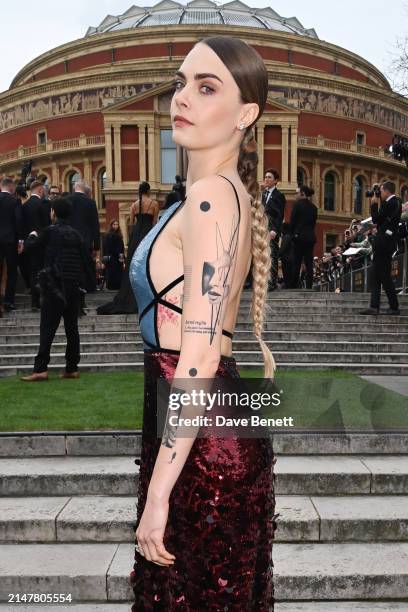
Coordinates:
203	12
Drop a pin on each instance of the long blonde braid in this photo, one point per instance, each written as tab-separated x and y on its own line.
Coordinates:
260	245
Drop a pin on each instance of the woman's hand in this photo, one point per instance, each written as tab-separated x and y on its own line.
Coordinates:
150	532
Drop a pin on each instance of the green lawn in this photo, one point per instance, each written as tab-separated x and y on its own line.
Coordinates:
113	400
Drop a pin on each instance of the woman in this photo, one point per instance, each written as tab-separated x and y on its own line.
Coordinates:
205	519
302	227
113	250
143	215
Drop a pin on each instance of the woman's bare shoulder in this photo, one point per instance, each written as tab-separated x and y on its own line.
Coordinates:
212	186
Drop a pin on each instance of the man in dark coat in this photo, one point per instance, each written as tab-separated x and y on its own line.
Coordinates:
84	218
36	217
302	228
385	244
64	258
10	235
274	202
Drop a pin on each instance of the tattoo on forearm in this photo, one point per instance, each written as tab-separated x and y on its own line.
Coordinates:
170	431
172	457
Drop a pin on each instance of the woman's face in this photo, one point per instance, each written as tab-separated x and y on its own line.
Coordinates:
115	226
211	103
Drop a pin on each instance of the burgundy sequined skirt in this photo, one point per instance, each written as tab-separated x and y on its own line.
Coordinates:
221	519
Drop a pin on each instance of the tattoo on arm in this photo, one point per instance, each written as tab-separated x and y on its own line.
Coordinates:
215	274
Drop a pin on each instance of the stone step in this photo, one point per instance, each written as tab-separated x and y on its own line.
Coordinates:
254	357
308	309
295	475
279	315
100	572
103	326
240	335
239	346
367	369
366	518
124	443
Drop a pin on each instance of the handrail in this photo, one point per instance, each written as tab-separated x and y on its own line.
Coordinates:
339	281
54	146
342	145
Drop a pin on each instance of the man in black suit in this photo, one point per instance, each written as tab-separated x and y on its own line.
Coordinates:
302	228
36	217
84	218
274	202
385	244
63	253
10	238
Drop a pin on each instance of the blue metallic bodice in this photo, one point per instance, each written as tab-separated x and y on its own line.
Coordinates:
147	298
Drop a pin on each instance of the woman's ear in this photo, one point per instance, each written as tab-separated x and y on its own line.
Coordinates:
250	113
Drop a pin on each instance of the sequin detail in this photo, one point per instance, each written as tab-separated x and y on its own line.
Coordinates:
221	520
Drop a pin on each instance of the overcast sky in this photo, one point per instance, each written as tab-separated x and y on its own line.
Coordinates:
367	27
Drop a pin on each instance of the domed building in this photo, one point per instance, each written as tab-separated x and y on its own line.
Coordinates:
99	108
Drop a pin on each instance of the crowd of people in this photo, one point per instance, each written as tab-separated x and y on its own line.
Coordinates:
27	244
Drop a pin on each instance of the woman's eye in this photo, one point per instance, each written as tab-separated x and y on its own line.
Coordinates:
177	83
207	87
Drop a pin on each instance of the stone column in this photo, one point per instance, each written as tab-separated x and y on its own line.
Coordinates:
108	154
152	154
118	153
316	181
88	171
285	156
293	155
142	152
54	173
348	190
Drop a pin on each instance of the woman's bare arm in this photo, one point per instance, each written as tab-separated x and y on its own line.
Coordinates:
209	239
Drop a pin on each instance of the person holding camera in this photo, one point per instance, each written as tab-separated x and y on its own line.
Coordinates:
60	282
387	219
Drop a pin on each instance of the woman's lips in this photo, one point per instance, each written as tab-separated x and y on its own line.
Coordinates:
179	121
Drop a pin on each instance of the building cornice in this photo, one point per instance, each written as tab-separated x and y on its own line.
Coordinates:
188	33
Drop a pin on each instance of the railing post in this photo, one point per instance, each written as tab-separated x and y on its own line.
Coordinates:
351	279
405	267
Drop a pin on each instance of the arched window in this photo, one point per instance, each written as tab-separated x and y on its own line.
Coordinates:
301	177
358	191
101	186
404	194
73	177
329	191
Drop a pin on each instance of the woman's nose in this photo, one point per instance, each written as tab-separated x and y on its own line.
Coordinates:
182	96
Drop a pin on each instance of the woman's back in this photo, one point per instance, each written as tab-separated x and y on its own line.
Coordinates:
161	257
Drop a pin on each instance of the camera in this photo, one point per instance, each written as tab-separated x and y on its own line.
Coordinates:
375	191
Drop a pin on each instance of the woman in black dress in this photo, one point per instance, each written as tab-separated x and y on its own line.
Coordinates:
114	252
143	215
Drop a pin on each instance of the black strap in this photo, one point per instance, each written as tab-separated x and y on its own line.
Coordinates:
236	194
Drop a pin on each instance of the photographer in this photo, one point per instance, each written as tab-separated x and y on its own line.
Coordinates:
387	219
60	281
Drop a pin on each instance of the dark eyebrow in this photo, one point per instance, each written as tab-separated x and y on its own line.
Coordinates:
197	77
